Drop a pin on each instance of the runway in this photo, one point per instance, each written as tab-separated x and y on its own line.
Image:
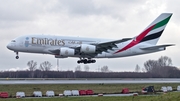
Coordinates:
95	81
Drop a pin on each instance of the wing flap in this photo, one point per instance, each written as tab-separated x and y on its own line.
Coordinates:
156	47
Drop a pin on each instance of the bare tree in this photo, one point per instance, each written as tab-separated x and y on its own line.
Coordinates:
157	64
149	65
32	67
137	68
78	68
45	66
86	68
164	61
105	69
160	67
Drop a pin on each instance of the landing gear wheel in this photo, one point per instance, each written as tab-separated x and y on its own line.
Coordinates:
17	57
79	61
85	61
93	61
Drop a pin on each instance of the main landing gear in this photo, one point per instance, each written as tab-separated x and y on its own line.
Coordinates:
85	61
17	57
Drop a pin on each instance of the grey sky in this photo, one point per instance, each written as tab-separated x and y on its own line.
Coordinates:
113	19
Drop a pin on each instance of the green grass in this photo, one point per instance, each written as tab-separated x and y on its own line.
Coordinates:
59	88
172	96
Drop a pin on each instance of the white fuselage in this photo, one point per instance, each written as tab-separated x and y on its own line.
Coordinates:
44	43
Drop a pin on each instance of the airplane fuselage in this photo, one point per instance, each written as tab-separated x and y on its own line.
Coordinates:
43	43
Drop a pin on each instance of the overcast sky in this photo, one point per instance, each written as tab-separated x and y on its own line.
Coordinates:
115	19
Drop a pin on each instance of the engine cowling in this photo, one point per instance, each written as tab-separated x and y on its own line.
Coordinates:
88	48
66	52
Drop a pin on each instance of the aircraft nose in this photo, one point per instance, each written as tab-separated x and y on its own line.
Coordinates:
9	46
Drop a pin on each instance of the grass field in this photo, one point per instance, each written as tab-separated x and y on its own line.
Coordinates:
172	96
97	88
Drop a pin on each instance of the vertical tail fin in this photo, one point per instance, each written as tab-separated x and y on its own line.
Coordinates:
153	32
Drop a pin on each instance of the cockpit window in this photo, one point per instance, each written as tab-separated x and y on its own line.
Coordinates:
13	41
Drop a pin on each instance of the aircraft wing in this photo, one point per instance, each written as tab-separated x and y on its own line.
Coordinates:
109	45
101	47
156	47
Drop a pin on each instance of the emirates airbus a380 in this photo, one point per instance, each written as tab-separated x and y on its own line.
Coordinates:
89	48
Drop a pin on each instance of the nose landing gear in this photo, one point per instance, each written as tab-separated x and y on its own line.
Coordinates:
17	57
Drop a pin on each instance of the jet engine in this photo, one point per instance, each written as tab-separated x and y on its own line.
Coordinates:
66	52
88	48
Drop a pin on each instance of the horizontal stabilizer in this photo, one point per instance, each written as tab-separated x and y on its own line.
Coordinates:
156	47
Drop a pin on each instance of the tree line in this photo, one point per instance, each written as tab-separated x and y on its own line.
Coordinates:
160	68
84	74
